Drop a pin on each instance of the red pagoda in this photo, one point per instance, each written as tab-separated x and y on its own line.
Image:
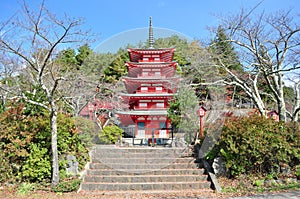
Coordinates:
150	84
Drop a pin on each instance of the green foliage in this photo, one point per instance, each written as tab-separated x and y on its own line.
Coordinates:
289	95
297	171
37	167
2	106
25	144
95	64
68	60
15	135
258	145
258	183
72	61
117	68
5	167
174	112
223	48
182	112
110	134
67	185
25	188
38	95
69	140
88	132
83	52
255	184
180	44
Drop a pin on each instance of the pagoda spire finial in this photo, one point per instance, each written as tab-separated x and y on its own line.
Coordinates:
151	41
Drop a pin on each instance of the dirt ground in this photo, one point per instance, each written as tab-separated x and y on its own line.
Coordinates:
9	193
116	195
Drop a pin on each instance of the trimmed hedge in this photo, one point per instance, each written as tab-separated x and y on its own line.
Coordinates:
258	145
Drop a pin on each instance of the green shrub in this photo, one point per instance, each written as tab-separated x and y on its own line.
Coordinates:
15	136
110	134
67	185
5	168
37	167
297	172
25	188
88	133
25	144
257	145
69	141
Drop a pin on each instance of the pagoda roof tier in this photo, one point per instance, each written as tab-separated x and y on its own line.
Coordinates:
151	64
166	54
143	96
166	68
128	117
132	84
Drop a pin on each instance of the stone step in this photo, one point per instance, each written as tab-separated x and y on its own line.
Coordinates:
116	152
113	148
145	171
103	154
153	166
145	186
145	178
142	160
115	168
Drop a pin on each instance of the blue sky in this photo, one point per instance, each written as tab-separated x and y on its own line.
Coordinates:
108	18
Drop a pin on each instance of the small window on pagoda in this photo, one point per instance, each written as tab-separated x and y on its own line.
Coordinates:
141	125
157	73
143	105
160	105
157	59
144	73
158	88
145	59
144	89
163	125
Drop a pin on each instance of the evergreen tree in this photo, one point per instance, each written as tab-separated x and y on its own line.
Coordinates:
224	50
117	68
180	44
67	59
183	112
83	52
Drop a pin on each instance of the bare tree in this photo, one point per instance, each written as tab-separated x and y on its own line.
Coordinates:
31	41
268	47
294	79
7	70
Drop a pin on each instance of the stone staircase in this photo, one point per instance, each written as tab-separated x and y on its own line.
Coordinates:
114	168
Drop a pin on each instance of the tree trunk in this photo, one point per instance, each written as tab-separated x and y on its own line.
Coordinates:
55	168
281	110
260	105
281	103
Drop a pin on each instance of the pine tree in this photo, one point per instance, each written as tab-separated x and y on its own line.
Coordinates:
223	48
83	52
117	68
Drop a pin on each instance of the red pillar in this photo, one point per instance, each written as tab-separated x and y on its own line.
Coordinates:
201	113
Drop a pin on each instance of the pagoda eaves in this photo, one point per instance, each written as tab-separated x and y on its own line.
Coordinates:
150	55
151	68
164	84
